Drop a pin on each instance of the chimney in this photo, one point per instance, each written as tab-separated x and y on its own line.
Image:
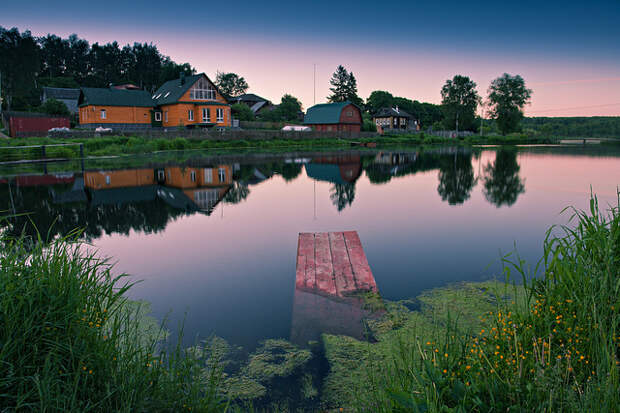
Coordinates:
182	77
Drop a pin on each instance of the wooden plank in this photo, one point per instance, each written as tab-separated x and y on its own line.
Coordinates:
363	277
343	273
324	268
305	253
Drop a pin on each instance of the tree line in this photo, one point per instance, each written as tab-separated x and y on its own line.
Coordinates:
27	63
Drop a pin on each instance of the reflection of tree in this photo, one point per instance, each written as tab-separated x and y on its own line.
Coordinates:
290	171
456	179
342	195
502	184
237	193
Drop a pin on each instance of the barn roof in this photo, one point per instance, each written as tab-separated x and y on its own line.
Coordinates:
325	113
114	97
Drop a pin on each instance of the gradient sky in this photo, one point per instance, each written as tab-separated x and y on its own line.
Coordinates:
568	53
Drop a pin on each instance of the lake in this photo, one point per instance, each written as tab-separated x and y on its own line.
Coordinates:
213	236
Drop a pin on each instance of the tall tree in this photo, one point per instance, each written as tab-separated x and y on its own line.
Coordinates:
231	84
344	87
342	195
456	178
379	99
19	64
459	100
507	97
289	107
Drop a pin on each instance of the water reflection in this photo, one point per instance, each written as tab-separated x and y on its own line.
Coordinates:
117	200
502	183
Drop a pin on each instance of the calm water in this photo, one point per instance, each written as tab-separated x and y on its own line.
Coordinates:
214	238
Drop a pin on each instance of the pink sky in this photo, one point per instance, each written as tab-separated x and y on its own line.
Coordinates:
562	86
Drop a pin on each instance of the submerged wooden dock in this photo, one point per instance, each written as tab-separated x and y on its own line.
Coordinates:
333	264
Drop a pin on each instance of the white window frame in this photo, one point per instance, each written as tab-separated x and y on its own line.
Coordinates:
190	115
157	116
203	90
103	113
192	176
219	113
206	115
208	175
221	174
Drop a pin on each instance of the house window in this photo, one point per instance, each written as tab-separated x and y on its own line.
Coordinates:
161	175
192	176
206	115
157	116
166	116
222	174
107	180
202	90
208	175
220	114
350	113
103	114
190	115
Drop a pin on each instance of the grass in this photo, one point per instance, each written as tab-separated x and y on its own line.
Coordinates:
72	342
122	145
551	344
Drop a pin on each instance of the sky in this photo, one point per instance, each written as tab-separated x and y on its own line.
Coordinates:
567	52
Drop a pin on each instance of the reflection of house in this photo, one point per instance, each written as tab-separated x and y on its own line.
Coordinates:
395	118
65	95
118	179
335	169
395	158
336	117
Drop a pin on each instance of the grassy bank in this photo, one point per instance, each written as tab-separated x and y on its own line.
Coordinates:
71	342
120	145
551	344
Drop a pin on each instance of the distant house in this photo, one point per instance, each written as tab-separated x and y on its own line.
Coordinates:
115	108
255	102
191	101
67	96
337	117
394	118
24	124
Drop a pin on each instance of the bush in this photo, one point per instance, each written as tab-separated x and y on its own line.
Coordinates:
180	143
55	107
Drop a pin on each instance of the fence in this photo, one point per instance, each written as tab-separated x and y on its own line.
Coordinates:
35	153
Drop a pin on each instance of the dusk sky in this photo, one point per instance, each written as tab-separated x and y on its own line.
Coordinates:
568	53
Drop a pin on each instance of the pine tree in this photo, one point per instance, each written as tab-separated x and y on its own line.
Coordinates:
340	85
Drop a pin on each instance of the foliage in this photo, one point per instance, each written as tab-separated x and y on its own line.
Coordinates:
19	63
549	345
379	99
507	97
289	107
596	126
344	87
231	84
342	195
55	107
459	101
456	179
425	113
71	341
242	111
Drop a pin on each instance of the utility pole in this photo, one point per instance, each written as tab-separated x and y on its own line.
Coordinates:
481	118
314	85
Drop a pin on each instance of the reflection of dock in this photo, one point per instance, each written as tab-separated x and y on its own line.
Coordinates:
331	269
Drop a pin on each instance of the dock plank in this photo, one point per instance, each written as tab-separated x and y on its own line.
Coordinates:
324	267
343	272
306	250
363	277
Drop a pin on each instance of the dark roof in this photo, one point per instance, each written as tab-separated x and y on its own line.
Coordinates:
118	196
115	97
392	112
61	93
325	113
249	97
173	90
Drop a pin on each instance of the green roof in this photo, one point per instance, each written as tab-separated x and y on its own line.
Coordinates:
114	97
325	113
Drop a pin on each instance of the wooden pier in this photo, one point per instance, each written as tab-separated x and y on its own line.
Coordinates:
333	263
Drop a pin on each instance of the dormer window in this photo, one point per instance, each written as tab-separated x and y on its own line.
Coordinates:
202	90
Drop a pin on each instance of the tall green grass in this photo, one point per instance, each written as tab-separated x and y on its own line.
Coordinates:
551	345
71	342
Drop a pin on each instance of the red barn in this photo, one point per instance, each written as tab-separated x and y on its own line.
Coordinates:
23	124
334	117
